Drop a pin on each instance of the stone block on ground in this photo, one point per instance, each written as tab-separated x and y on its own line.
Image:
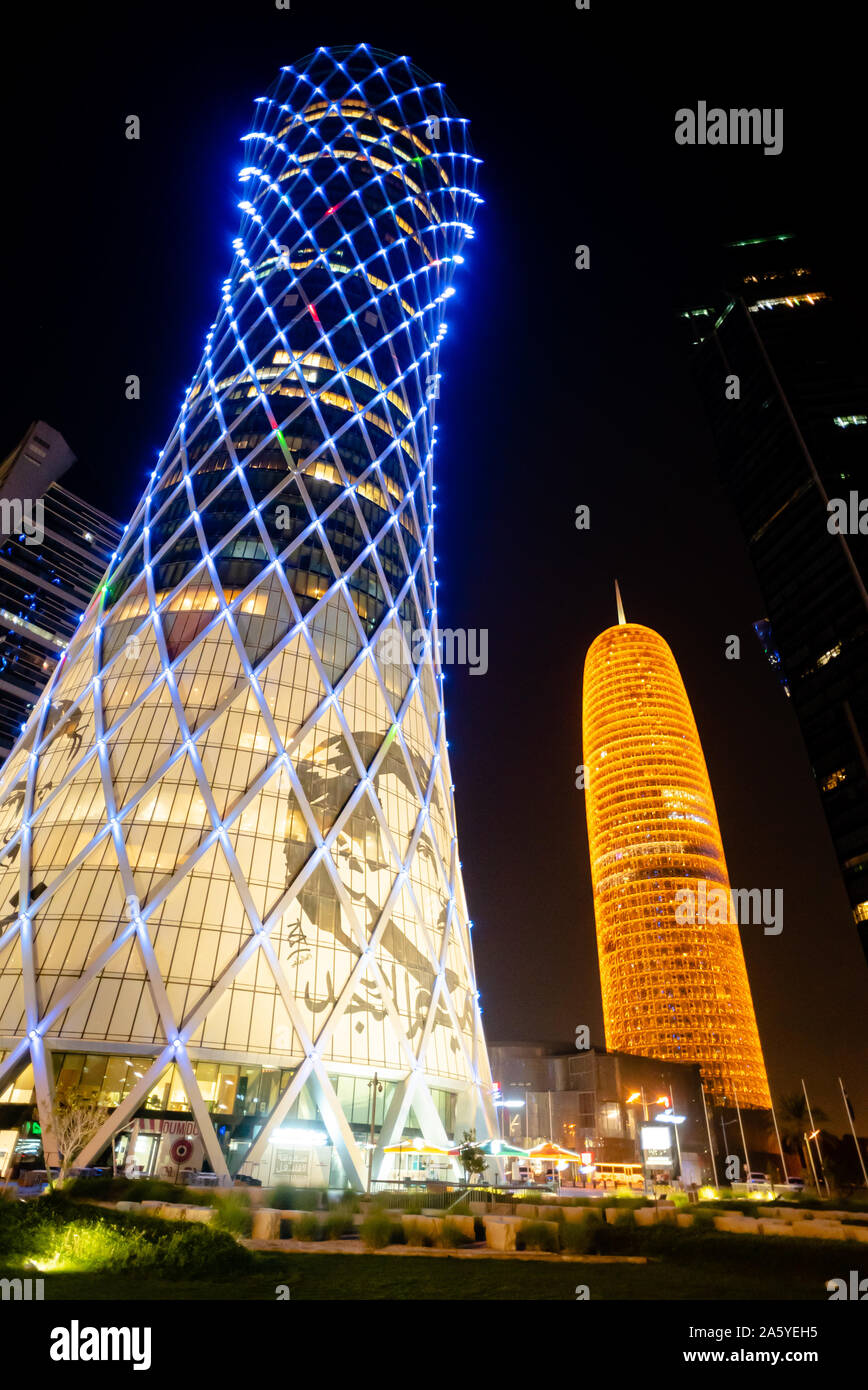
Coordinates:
645	1216
582	1213
465	1225
266	1224
500	1233
819	1230
201	1214
774	1228
736	1224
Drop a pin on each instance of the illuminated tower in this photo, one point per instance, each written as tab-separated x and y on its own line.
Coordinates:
230	880
671	988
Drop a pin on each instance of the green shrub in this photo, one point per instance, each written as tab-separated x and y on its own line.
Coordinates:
376	1230
451	1236
232	1212
621	1238
536	1235
56	1233
416	1233
625	1219
282	1197
702	1221
121	1189
107	1189
307	1227
579	1237
338	1224
348	1201
153	1190
286	1197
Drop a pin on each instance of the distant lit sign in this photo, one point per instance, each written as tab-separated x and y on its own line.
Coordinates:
656	1143
587	1158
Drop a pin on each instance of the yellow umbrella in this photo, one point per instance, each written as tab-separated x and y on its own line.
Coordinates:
415	1146
554	1151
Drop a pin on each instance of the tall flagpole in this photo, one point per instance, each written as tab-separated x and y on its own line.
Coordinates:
741	1128
819	1150
784	1173
853	1130
708	1130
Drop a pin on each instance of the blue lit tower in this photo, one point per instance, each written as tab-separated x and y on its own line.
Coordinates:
235	892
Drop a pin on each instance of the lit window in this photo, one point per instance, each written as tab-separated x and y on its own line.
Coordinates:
835	779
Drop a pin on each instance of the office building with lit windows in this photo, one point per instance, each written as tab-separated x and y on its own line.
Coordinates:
594	1102
233	904
51	561
794	439
672	968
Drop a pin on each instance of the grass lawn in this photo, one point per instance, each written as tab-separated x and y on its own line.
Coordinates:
735	1267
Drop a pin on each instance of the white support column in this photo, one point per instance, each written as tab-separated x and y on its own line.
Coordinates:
337	1125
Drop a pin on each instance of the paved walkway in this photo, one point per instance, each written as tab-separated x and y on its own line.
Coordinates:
472	1252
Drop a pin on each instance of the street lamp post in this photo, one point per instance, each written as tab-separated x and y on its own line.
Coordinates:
807	1138
661	1100
375	1085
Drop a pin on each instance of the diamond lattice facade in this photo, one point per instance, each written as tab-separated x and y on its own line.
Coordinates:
672	988
230	872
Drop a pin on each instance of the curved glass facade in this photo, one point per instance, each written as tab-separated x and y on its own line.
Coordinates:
249	854
672	988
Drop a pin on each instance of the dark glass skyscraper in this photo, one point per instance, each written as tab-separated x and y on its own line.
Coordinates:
54	548
780	358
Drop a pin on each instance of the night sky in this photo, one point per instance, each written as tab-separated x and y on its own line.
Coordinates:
560	387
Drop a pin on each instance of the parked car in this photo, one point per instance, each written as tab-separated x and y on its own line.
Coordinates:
791	1184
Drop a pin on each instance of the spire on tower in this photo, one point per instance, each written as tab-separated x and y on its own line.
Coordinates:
621	619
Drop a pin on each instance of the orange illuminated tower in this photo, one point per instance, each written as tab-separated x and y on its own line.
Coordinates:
672	988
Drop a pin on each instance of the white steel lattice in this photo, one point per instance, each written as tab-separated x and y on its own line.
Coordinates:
229	826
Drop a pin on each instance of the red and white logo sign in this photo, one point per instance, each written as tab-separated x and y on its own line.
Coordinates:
181	1149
